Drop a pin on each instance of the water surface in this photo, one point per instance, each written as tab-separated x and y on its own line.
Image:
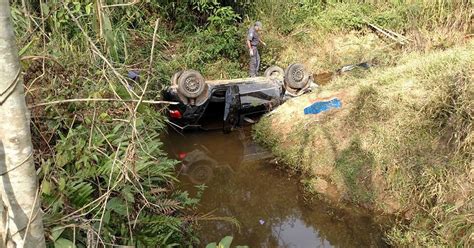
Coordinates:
242	182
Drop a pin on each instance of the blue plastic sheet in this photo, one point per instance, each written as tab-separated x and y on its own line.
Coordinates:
322	106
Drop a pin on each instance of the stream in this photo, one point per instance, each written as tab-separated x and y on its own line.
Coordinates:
242	182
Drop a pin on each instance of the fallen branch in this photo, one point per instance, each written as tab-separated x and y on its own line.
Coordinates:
99	100
402	37
390	34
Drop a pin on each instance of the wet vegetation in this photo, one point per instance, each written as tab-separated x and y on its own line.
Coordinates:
104	177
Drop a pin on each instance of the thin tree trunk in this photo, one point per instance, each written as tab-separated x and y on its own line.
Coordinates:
98	6
21	216
27	14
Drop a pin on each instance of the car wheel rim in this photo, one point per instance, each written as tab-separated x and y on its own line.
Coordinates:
201	173
192	85
298	74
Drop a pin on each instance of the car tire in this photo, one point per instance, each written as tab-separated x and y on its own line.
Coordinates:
191	84
296	76
175	77
274	72
200	172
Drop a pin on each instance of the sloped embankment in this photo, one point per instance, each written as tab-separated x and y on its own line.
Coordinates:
402	143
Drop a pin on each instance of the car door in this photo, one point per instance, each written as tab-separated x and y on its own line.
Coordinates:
259	97
231	109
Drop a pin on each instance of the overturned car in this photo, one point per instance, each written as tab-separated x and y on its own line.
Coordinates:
231	101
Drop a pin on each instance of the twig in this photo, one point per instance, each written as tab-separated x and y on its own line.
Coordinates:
108	190
150	68
107	140
95	203
99	16
46	57
129	222
150	65
28	36
31	217
121	4
92	126
100	100
44	139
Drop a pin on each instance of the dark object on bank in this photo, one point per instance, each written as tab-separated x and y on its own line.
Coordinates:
133	75
364	65
324	78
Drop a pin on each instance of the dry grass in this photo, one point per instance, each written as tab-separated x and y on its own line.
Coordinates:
401	144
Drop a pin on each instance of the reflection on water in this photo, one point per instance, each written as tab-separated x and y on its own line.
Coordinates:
267	202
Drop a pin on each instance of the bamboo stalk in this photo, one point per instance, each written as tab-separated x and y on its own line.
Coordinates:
98	6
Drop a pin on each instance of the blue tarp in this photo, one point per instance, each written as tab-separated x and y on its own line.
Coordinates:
322	106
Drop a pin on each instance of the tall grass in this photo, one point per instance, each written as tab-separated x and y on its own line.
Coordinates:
399	14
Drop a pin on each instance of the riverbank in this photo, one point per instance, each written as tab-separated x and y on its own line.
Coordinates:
402	144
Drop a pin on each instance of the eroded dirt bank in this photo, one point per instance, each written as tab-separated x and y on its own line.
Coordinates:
402	144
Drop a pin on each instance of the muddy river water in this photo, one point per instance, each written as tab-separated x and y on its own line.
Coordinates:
242	182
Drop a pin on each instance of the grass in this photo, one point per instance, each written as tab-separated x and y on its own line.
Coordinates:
355	165
325	35
401	144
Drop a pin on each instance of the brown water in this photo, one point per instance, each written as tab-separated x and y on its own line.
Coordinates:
242	182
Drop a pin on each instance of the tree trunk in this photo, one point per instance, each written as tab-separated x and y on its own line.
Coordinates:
20	213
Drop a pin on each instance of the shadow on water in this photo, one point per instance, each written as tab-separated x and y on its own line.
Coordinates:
242	183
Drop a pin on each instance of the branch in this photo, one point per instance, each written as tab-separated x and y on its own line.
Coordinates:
390	34
99	100
150	65
121	4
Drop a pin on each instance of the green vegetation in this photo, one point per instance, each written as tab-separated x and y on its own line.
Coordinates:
355	164
105	179
225	242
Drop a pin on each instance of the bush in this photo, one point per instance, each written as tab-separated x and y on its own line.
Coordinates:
104	177
220	38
